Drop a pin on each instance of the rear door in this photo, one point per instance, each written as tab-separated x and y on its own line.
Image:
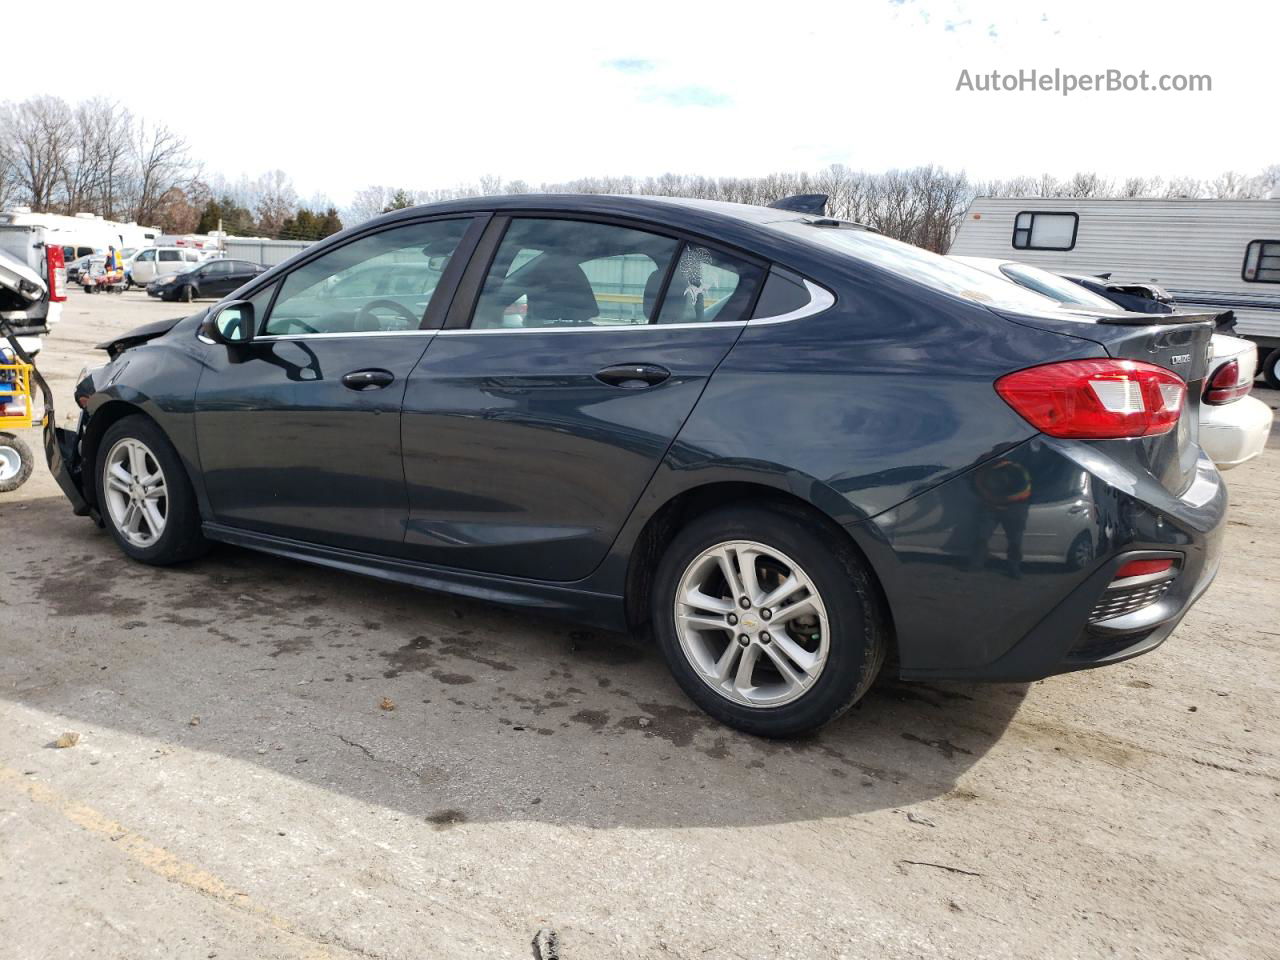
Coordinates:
299	430
575	351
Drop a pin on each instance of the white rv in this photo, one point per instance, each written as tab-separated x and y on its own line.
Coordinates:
83	234
1212	254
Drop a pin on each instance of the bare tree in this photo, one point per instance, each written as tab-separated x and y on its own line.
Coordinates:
34	138
162	163
276	201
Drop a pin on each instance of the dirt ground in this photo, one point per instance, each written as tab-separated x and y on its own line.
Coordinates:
238	791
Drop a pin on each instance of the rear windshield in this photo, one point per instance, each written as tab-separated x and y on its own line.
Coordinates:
1052	285
920	265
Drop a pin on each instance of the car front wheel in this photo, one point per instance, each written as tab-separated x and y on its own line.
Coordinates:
769	622
145	496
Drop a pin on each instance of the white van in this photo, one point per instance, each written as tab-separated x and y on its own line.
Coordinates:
151	263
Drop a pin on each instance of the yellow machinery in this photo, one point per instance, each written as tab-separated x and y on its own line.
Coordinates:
15	414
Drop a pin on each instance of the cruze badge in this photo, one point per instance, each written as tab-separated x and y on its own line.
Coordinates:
1180	358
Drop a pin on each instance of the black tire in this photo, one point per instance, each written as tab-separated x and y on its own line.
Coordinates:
12	446
858	631
1271	369
1081	551
181	539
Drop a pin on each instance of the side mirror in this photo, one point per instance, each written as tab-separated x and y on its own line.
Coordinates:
231	323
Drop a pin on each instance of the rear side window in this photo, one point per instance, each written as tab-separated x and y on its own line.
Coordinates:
170	256
571	273
1262	262
710	286
1037	230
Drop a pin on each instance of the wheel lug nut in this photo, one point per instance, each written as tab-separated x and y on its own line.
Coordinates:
744	603
743	639
764	637
766	613
733	619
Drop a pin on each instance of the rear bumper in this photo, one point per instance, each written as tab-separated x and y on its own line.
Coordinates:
977	593
1234	433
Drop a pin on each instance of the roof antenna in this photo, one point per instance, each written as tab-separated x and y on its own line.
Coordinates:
815	203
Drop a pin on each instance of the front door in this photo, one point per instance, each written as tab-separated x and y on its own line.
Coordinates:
530	434
299	430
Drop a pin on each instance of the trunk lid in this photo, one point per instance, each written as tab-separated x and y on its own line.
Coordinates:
1178	342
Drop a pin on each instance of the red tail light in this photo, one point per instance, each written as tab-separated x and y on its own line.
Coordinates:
1141	568
1096	399
1227	384
56	272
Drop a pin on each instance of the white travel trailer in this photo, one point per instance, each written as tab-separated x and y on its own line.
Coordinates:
84	233
1213	254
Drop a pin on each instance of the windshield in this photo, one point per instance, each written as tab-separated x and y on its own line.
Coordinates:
1052	285
919	264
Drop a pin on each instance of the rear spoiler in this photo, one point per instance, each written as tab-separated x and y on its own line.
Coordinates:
1160	319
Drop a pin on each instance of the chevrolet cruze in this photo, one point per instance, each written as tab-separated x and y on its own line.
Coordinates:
795	450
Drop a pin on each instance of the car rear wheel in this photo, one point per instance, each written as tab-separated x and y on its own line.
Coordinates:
145	496
16	463
188	294
769	623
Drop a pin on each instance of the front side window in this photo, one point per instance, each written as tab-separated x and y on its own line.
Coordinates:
1033	230
567	273
146	256
1262	262
381	283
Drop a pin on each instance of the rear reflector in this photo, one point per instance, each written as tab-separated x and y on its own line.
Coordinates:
1142	568
1228	383
1096	399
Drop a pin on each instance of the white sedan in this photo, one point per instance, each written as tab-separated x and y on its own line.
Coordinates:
1233	425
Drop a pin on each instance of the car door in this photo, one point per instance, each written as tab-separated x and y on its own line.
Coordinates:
218	278
144	267
574	352
240	273
299	429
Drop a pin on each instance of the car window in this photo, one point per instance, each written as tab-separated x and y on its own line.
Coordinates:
1052	285
566	273
709	286
915	263
147	256
380	283
219	268
169	256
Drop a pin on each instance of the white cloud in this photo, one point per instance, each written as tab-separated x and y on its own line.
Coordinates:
432	95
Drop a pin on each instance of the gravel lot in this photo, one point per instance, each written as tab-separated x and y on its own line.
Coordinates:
239	791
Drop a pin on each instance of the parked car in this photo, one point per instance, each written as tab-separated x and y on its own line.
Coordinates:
751	464
77	266
1234	426
151	263
212	278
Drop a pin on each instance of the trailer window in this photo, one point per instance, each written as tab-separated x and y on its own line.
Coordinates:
1262	262
1038	230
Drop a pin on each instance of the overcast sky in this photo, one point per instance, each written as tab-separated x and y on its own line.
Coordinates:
426	95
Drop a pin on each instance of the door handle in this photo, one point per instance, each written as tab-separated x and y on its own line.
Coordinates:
633	376
368	379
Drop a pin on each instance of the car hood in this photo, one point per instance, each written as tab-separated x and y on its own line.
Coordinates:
138	335
20	279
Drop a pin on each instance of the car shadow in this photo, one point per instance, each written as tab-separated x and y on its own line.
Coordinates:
445	709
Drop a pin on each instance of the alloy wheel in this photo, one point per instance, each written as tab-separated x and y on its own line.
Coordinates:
752	624
137	496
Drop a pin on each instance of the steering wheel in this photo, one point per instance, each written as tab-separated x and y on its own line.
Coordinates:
410	318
